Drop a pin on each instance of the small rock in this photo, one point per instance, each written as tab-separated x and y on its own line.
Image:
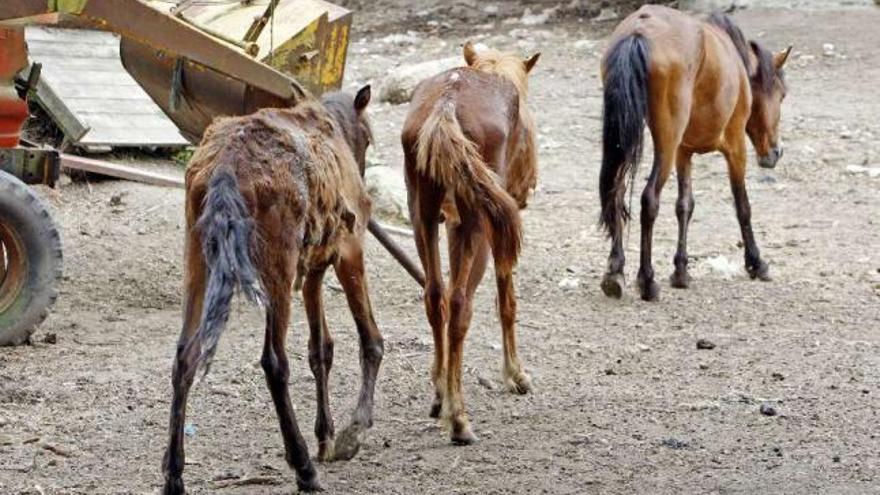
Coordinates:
768	409
50	338
705	344
777	376
117	199
725	267
569	283
190	430
398	86
837	457
674	443
529	19
610	372
585	45
828	50
607	14
486	383
387	188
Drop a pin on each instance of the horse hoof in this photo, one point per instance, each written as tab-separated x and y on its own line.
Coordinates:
174	487
650	290
520	384
760	272
463	437
680	280
311	485
436	408
326	452
612	285
349	442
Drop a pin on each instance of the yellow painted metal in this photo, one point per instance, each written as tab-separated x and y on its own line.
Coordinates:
307	39
67	6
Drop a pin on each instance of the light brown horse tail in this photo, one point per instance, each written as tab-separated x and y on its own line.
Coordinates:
625	109
452	160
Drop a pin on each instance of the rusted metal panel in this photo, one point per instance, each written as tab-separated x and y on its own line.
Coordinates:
13	109
31	165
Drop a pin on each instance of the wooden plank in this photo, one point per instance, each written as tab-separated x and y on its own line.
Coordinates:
67	121
118	171
94	100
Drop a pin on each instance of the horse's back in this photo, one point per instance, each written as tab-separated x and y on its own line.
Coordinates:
674	37
486	105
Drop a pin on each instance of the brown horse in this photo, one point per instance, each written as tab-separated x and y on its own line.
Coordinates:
273	199
469	146
700	87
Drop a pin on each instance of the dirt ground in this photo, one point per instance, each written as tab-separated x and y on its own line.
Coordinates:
623	401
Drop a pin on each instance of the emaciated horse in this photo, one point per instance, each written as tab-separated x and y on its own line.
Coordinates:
701	88
469	147
273	199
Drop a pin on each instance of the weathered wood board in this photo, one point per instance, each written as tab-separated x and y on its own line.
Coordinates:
85	88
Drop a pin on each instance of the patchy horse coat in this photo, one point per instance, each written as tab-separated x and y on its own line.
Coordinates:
273	199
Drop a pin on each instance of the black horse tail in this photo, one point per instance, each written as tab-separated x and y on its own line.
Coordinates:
624	114
226	229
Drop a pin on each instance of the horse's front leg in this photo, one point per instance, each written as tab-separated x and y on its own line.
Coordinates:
352	276
684	210
736	165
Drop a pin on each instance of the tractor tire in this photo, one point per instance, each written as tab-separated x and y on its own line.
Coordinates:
30	261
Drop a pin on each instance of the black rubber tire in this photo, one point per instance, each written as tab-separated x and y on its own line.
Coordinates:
25	218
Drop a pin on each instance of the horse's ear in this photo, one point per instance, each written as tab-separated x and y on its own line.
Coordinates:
470	53
362	99
530	63
780	58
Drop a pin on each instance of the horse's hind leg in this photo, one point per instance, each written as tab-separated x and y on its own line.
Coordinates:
684	210
464	242
184	367
320	360
736	166
352	276
650	208
278	280
515	379
424	204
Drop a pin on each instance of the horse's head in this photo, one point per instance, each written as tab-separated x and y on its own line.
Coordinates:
506	65
349	112
768	91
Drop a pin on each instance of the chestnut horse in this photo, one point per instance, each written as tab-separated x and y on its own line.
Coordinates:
701	88
273	199
469	147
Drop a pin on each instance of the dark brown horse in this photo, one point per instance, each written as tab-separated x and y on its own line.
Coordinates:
469	146
272	200
700	87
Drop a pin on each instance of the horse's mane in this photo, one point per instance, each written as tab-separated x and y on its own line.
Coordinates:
507	65
763	73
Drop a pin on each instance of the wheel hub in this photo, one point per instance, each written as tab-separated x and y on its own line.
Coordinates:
13	266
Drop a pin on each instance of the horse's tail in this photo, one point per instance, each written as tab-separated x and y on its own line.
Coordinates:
624	113
226	230
452	160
